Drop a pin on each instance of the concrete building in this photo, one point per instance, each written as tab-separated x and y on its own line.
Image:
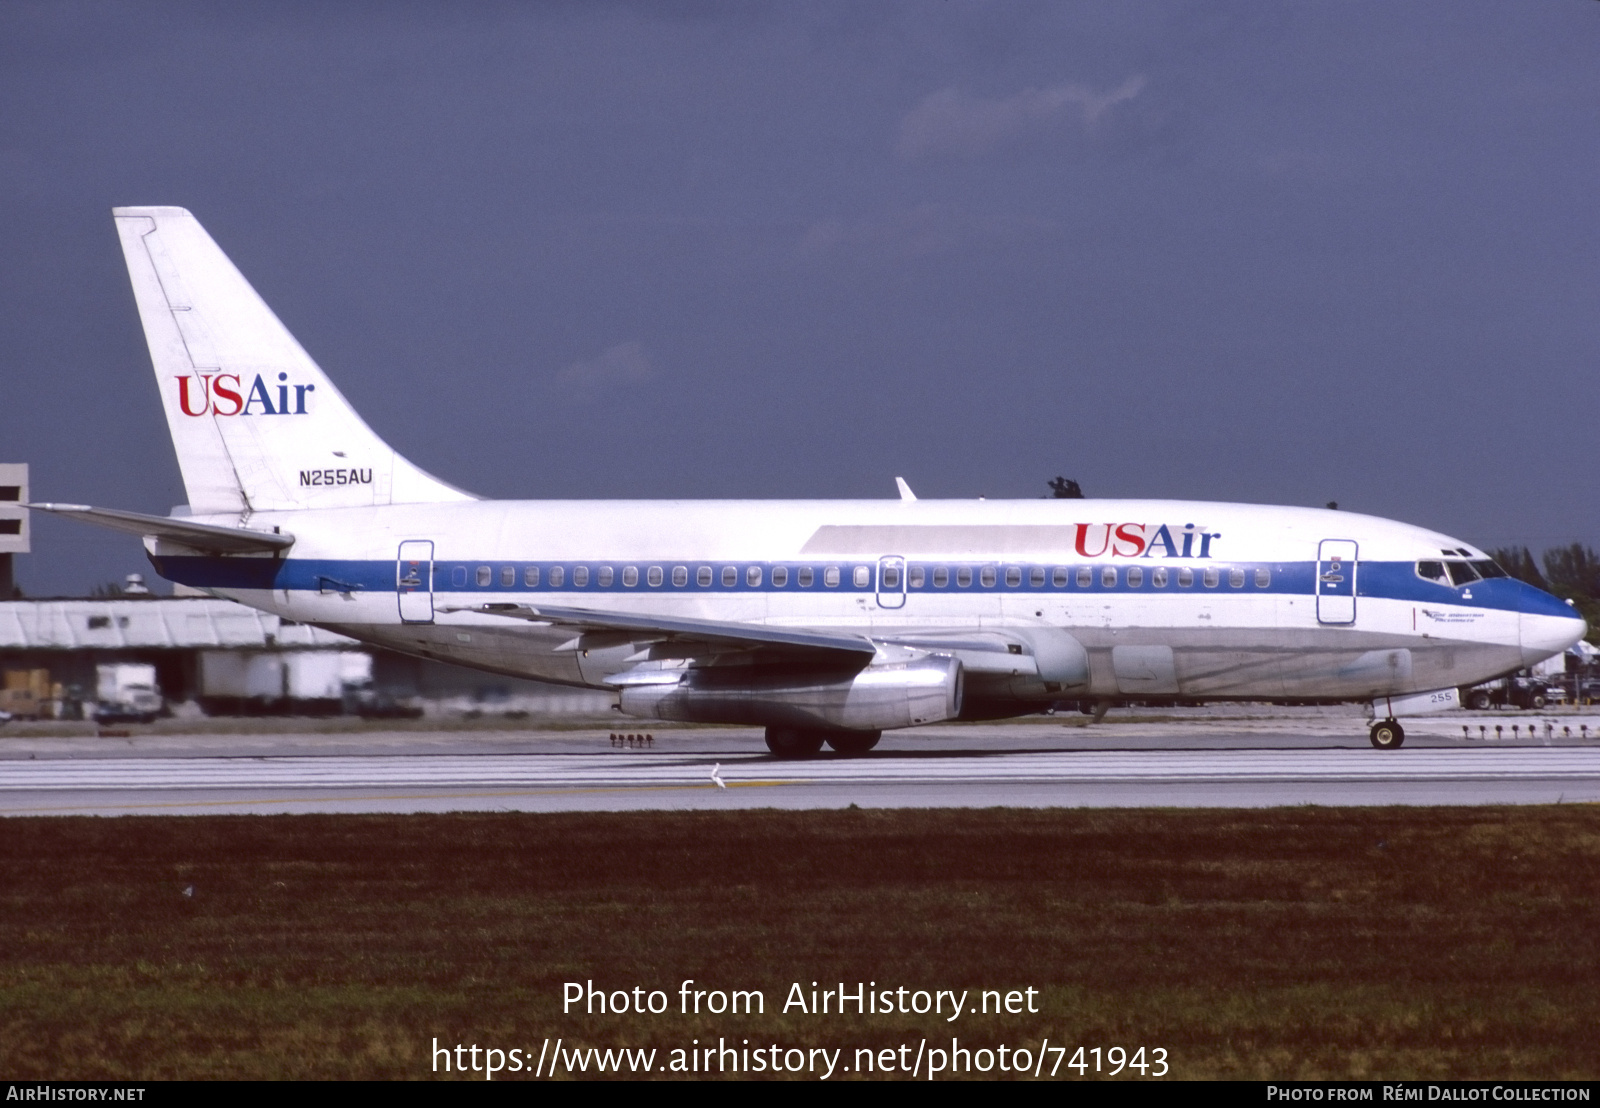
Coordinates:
14	529
224	658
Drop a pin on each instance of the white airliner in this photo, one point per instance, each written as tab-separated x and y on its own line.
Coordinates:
824	621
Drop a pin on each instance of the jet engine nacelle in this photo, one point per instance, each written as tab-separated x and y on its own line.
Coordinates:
877	698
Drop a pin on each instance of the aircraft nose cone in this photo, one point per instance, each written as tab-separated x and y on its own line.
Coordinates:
1549	628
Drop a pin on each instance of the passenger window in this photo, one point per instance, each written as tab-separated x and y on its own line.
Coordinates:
1108	577
458	577
830	577
1158	577
806	577
702	577
1135	577
630	575
987	576
508	577
752	577
1432	571
941	576
1013	576
530	577
557	575
1212	577
1036	577
863	577
680	576
1263	578
580	576
891	577
1235	578
1058	577
964	577
730	576
606	576
917	577
1185	577
485	575
1461	573
1085	577
780	576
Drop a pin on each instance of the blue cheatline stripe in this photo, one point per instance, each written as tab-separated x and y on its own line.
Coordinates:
1386	580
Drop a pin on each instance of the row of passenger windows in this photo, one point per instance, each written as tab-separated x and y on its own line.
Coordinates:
917	576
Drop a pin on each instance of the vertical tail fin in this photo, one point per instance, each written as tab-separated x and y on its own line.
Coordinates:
256	424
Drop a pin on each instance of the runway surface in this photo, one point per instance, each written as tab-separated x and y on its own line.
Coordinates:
1202	762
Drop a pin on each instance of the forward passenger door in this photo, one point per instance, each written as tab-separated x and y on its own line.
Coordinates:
1336	582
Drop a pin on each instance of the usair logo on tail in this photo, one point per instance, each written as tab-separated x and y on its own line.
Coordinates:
224	394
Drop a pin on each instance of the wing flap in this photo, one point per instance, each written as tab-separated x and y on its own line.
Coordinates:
674	628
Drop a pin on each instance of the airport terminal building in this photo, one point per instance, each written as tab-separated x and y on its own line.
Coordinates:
221	658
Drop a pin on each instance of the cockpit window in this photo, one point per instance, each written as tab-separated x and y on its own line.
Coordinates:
1461	573
1487	569
1432	571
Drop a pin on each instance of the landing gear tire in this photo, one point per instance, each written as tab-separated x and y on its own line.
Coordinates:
1478	700
853	742
1386	734
793	742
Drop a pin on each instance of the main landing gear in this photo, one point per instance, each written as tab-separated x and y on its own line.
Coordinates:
800	742
1387	734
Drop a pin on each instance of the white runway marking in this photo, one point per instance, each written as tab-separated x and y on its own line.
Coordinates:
655	771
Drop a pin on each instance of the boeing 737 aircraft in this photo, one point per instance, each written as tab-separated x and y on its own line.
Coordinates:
823	621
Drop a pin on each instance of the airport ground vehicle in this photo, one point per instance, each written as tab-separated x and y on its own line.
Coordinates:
126	692
1575	688
1529	693
823	621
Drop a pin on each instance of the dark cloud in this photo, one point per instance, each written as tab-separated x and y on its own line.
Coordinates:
1270	252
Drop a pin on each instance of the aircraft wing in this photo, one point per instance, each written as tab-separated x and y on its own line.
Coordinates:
671	628
206	537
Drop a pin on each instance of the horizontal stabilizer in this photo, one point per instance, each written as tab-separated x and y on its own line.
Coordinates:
692	630
198	536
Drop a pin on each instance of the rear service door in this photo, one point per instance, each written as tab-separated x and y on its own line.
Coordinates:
413	581
1336	582
891	582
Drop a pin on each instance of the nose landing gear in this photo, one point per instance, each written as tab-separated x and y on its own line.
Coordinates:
1387	734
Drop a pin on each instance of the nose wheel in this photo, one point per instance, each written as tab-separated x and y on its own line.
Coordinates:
1387	734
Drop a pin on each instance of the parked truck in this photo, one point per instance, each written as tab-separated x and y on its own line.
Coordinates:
126	692
1521	691
290	682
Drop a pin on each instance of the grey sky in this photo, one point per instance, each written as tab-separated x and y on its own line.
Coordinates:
1280	253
